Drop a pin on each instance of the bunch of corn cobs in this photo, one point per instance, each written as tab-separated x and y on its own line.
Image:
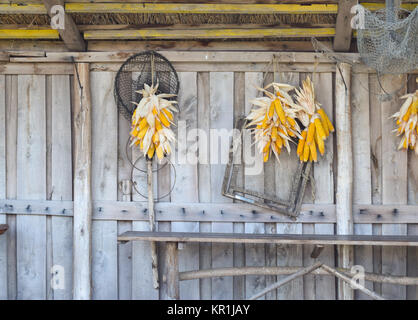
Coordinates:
278	119
406	120
151	123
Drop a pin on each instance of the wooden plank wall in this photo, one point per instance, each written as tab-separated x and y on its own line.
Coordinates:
36	163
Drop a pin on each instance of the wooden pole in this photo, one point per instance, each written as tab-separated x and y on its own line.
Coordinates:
282	282
271	271
347	280
172	271
151	212
344	194
82	183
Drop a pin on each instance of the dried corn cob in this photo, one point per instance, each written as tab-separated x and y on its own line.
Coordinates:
316	122
151	123
406	119
274	120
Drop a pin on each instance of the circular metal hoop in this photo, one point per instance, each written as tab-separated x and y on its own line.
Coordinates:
133	167
140	157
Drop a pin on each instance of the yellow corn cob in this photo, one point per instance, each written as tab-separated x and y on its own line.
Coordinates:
160	152
311	132
306	152
164	120
279	142
313	151
320	143
168	114
274	133
271	110
319	129
301	143
280	111
326	119
291	121
266	156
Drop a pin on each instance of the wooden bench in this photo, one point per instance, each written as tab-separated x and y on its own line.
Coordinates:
172	276
3	228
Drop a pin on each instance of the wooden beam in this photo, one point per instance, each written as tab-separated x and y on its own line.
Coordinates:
347	281
159	34
201	8
70	34
29	34
234	212
271	271
22	8
344	194
282	282
343	31
82	289
171	271
320	239
313	7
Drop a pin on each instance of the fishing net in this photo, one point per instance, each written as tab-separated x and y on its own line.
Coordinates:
147	67
389	40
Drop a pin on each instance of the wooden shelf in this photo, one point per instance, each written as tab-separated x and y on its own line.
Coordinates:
270	238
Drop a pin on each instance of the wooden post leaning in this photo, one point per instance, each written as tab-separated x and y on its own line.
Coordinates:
82	288
344	194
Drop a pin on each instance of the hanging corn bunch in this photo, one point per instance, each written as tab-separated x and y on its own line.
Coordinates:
315	120
151	122
274	120
406	119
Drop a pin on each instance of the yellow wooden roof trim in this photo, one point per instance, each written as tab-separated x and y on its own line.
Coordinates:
29	34
208	8
209	33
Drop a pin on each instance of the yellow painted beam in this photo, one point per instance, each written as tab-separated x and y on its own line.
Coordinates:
22	8
377	6
29	34
199	8
120	7
209	33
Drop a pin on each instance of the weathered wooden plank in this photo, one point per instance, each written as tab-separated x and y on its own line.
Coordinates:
82	247
229	237
69	34
362	184
161	34
290	255
254	256
203	119
412	255
221	86
186	189
3	218
124	194
239	249
376	165
206	8
222	256
221	124
343	31
142	284
344	192
118	210
394	186
98	45
61	183
31	159
104	184
11	180
253	180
